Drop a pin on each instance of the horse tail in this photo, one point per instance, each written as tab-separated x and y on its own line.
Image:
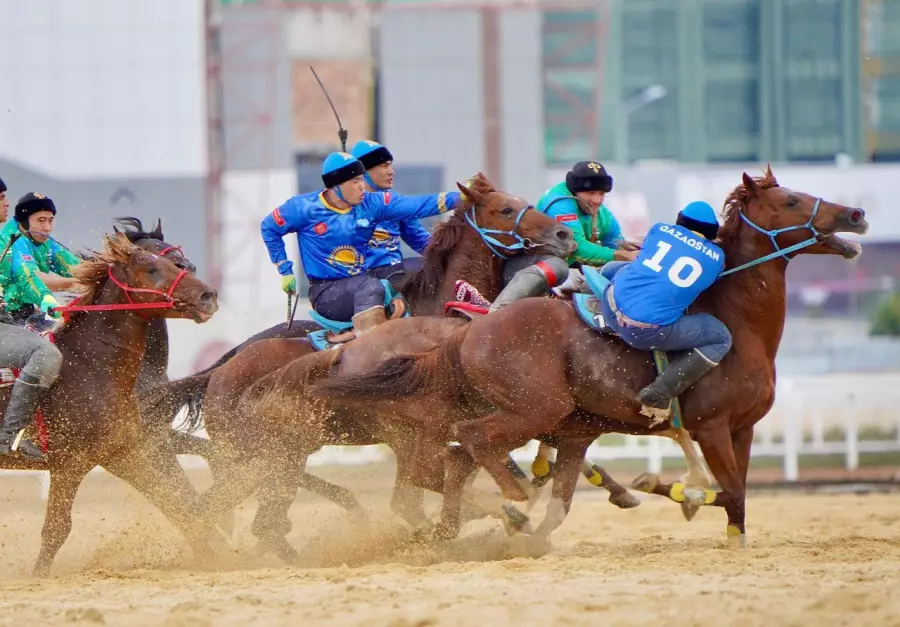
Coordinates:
400	377
284	393
163	402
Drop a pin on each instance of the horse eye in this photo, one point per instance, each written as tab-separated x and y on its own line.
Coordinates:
507	211
793	201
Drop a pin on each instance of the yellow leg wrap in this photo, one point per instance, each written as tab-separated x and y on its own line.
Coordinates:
596	478
732	530
677	494
540	467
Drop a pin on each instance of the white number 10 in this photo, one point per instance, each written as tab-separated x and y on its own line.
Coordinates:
675	271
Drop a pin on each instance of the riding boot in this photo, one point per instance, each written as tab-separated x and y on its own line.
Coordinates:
367	320
524	284
675	379
24	402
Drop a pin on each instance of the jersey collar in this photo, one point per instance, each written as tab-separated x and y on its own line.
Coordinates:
331	207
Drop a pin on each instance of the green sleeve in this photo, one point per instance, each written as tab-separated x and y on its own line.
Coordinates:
63	260
588	252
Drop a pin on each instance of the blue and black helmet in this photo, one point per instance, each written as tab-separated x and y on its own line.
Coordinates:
371	153
700	217
340	167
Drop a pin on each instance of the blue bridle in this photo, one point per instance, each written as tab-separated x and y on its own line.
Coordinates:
522	243
773	233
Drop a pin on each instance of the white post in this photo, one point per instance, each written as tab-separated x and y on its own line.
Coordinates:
791	446
654	455
851	442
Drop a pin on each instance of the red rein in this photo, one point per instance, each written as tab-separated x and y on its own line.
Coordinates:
169	303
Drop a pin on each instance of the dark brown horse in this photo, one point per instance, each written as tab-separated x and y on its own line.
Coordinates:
91	411
254	421
533	371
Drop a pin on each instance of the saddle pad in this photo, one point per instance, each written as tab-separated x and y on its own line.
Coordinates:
319	340
596	281
465	310
587	306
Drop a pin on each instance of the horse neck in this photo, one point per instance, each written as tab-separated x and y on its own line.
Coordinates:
471	261
112	342
752	302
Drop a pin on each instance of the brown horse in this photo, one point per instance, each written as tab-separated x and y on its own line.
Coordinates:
91	411
247	414
534	371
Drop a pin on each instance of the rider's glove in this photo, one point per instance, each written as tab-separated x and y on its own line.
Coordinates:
48	303
289	284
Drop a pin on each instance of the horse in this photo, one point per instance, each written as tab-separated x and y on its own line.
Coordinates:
534	371
91	411
245	408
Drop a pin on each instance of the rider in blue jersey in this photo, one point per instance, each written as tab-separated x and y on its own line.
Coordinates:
333	229
384	257
647	300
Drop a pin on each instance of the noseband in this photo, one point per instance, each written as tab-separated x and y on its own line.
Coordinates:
522	243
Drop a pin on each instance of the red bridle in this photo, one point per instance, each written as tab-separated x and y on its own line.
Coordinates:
168	303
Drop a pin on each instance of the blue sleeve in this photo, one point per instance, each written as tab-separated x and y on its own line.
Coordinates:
613	237
389	207
288	218
413	233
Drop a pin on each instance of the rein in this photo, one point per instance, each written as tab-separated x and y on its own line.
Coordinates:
168	303
773	233
522	243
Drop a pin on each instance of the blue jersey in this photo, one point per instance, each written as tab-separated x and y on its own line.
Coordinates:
334	242
384	247
674	266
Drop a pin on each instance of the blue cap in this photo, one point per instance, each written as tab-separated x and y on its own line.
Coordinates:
340	167
371	153
700	217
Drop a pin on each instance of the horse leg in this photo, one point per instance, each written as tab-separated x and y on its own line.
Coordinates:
58	517
488	439
187	444
618	494
458	467
736	510
163	482
408	499
568	461
542	466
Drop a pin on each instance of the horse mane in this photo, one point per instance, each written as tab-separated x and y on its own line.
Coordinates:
134	229
734	205
91	274
425	283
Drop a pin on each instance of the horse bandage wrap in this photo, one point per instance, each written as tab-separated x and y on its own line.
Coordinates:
549	274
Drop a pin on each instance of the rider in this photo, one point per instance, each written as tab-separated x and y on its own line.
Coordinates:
334	227
578	204
646	301
34	256
384	258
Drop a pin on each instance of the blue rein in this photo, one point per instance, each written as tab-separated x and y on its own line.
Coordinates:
780	252
522	243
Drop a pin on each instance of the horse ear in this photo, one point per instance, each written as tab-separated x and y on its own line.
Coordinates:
750	185
157	230
116	229
471	196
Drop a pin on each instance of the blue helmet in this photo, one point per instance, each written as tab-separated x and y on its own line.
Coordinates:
371	153
700	217
340	167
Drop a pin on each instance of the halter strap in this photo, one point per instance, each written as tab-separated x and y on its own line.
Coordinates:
168	303
522	243
773	233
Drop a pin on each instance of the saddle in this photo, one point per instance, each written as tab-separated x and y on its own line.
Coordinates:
334	333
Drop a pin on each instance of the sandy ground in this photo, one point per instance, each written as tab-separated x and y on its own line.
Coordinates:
824	559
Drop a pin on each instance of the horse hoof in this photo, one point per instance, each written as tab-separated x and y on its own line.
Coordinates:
689	509
444	532
736	542
516	521
624	500
646	482
540	482
40	571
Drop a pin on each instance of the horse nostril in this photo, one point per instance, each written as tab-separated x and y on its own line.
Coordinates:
208	297
564	234
856	216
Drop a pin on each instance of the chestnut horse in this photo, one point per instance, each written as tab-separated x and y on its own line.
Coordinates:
269	447
91	412
534	371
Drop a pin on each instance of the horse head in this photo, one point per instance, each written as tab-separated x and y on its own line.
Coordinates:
144	278
785	218
509	224
153	241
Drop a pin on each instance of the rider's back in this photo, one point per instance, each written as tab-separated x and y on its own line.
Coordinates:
674	267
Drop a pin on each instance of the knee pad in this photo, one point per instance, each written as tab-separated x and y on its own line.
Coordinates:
553	269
